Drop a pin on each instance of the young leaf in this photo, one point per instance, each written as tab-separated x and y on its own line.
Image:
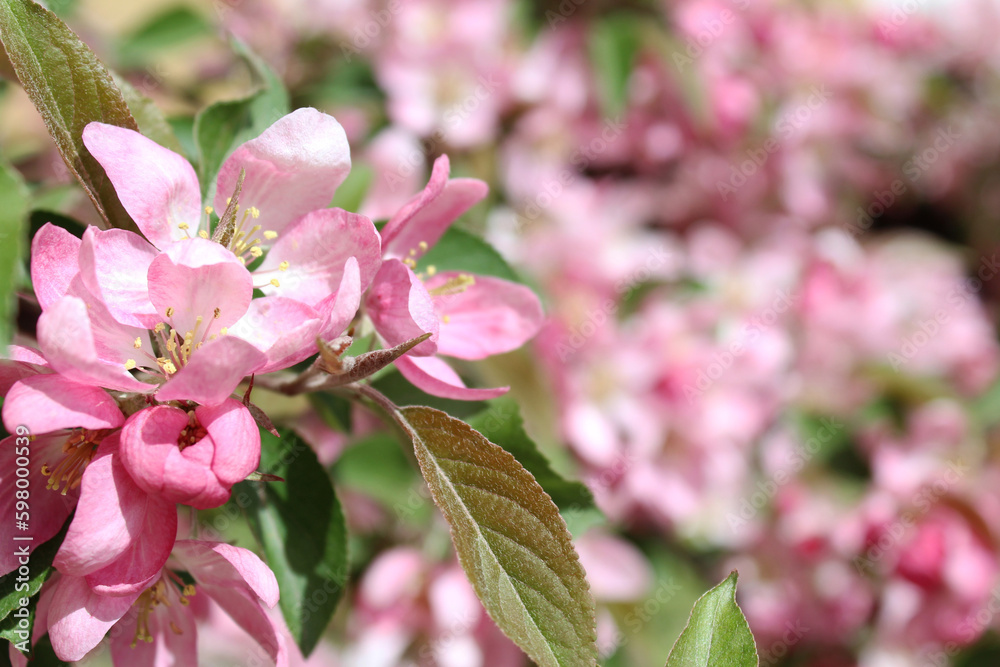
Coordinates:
717	633
509	537
70	88
13	228
502	424
300	526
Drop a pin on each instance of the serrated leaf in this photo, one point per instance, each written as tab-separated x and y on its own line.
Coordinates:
510	539
13	227
458	250
717	634
502	425
70	87
300	527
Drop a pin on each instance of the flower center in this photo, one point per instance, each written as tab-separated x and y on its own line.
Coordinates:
175	348
191	433
78	450
168	586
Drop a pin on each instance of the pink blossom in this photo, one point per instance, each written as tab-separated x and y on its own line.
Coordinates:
67	422
155	623
470	317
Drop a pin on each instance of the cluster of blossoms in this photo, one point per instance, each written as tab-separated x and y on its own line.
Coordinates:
743	356
143	341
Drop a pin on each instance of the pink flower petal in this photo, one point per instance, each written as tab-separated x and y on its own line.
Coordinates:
237	440
316	249
198	278
24	362
490	316
213	372
79	343
220	564
284	329
115	518
401	309
426	217
50	402
343	305
54	263
49	508
113	266
294	167
79	618
438	379
157	187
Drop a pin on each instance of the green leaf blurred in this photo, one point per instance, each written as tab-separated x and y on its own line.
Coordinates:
300	526
13	230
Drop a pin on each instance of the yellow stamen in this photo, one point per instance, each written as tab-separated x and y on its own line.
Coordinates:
129	364
138	343
274	281
208	210
170	311
283	266
203	234
269	235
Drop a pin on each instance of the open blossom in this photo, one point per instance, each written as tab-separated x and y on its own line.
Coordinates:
67	421
469	316
311	262
156	625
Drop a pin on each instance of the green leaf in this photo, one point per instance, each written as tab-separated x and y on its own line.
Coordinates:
613	43
13	227
502	425
171	28
717	633
509	537
218	129
352	191
152	123
274	102
221	127
300	526
70	88
458	250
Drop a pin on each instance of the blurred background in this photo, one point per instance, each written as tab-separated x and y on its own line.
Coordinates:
767	237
